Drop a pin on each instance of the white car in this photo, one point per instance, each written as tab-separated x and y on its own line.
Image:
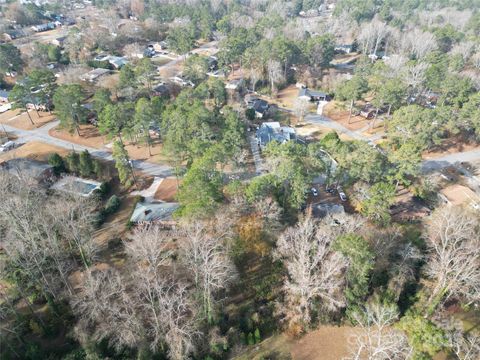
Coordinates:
9	145
342	195
314	191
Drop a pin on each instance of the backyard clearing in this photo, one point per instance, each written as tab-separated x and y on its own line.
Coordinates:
141	152
33	150
20	120
326	343
89	136
335	111
316	132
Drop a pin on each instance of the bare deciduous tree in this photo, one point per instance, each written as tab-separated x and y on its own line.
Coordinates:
275	73
418	43
453	240
300	108
315	272
205	255
106	310
371	36
465	346
414	76
43	235
150	245
169	315
377	339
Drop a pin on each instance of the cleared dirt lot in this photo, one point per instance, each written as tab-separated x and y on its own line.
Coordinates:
340	113
167	190
33	150
89	136
20	120
326	343
316	132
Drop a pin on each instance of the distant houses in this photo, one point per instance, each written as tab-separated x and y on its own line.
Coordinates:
344	48
10	35
44	27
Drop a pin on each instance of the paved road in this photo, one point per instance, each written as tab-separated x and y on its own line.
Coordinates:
212	45
41	134
451	159
257	158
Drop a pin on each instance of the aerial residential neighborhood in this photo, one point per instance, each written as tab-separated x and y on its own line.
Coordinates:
240	179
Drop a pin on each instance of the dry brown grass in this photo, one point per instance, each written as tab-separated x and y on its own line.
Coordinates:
33	150
326	343
89	136
167	190
20	120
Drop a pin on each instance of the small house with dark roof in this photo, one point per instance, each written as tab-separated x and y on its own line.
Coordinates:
154	213
161	90
33	171
259	105
10	35
44	27
312	95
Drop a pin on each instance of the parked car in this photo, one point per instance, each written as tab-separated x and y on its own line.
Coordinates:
341	194
314	191
9	145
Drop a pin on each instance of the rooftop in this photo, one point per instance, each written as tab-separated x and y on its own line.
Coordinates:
75	185
270	131
26	167
306	92
152	212
458	195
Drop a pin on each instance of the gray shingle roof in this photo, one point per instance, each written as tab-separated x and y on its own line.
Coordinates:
151	212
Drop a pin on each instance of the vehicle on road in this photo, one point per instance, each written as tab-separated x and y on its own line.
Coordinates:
9	145
314	191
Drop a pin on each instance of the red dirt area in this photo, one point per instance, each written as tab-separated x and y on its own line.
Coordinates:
335	111
452	145
326	343
167	190
141	152
20	120
89	136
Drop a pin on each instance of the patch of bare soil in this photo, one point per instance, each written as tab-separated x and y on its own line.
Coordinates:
33	150
141	152
167	190
326	343
452	145
20	120
89	136
335	111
